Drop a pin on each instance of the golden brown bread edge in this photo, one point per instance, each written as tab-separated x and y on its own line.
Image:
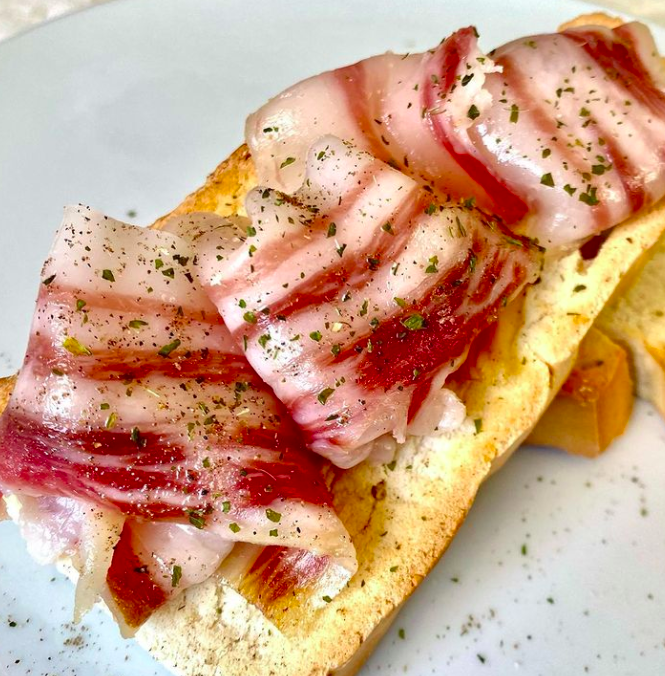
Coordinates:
403	517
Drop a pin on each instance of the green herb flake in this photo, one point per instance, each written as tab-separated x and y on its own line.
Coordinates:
251	231
287	161
108	275
104	406
336	349
242	304
332	230
263	340
569	189
340	250
169	272
315	336
75	347
273	516
110	421
599	169
393	569
273	533
546	153
159	263
472	261
167	349
197	520
234	527
249	317
579	287
585	112
137	324
478	423
48	280
388	227
176	576
524	550
226	506
414	322
324	395
326	598
80	304
589	197
431	208
473	112
400	301
135	436
514	113
546	179
431	268
206	463
401	633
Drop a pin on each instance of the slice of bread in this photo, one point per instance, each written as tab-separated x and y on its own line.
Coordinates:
401	516
635	318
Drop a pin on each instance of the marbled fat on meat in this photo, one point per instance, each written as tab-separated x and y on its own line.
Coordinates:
560	135
133	397
357	296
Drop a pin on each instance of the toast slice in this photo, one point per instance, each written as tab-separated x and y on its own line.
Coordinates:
401	516
635	318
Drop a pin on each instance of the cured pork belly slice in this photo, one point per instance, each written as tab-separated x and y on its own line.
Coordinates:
578	129
561	135
56	528
134	399
357	297
385	105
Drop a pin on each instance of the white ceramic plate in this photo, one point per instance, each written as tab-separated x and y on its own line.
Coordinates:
127	107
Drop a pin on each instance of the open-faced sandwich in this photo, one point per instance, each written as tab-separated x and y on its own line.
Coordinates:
252	430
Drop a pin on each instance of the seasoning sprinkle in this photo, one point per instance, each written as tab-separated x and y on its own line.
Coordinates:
197	519
273	516
324	395
176	576
167	349
414	322
514	113
75	347
546	179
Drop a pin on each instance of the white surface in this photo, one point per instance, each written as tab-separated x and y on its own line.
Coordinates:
127	107
17	15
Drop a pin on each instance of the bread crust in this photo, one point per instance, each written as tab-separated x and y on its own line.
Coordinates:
402	518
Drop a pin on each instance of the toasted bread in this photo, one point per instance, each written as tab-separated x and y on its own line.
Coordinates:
635	318
401	516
